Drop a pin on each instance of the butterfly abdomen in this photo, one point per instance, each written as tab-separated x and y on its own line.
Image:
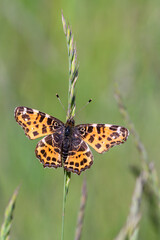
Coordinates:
66	143
65	148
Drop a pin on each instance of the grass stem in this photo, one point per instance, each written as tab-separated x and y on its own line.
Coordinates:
73	75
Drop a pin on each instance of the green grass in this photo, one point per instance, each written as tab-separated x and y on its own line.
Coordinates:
116	41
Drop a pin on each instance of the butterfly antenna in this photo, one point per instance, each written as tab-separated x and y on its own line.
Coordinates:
60	101
90	100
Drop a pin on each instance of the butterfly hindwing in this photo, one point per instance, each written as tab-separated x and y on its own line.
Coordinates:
79	156
35	123
102	136
48	150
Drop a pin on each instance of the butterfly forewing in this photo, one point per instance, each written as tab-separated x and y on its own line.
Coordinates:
102	136
48	151
35	123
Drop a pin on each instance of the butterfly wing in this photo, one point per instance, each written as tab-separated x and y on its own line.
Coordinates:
79	156
102	136
48	150
35	123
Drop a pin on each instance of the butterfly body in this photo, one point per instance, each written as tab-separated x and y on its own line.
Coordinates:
67	138
66	144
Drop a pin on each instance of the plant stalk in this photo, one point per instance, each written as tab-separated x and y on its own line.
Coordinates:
73	75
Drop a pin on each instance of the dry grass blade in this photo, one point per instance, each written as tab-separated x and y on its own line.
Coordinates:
152	189
8	216
147	165
81	211
130	230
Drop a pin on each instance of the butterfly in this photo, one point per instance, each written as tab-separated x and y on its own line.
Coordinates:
66	144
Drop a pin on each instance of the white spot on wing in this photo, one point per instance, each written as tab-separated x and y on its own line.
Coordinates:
36	111
118	130
108	125
25	110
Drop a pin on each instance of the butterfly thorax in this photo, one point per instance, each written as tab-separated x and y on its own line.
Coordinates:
70	122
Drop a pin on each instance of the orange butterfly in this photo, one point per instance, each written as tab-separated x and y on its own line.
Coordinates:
65	144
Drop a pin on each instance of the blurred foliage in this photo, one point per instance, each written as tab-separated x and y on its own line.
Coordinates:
116	41
8	217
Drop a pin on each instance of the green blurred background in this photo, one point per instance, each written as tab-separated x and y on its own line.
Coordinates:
116	41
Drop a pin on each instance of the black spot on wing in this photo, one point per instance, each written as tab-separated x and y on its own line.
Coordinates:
44	129
30	110
90	129
91	139
123	129
42	151
109	139
84	160
114	127
35	133
49	121
88	154
98	145
26	116
98	129
45	154
42	116
114	135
